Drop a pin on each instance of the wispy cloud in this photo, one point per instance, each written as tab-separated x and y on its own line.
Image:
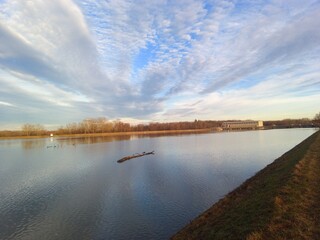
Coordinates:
65	60
6	104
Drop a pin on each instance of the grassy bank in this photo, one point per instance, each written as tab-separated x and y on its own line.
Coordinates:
279	202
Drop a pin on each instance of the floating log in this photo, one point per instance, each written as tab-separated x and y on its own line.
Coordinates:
134	156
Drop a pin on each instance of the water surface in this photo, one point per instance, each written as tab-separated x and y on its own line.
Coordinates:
73	188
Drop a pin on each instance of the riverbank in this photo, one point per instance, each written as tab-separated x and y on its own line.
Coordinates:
279	202
116	134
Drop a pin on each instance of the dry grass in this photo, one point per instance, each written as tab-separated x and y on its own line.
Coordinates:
279	202
298	214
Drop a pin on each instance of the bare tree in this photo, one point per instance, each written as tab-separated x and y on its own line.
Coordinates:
27	129
317	118
32	129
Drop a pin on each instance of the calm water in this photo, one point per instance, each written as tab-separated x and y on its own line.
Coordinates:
64	188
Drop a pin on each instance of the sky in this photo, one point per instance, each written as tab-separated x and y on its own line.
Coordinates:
64	61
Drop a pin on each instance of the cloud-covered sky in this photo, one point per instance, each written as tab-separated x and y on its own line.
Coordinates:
158	60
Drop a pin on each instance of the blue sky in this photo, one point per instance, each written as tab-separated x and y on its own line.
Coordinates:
66	60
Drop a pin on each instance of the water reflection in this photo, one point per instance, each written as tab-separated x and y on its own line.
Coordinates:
92	140
58	142
33	143
76	190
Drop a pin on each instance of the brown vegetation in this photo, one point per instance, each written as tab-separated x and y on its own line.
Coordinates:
290	123
33	130
102	125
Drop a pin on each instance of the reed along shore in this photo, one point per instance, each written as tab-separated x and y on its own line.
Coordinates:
282	201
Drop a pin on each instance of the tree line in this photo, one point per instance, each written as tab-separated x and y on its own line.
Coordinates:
103	125
292	123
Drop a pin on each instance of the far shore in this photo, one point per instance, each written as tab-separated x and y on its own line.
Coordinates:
115	134
185	131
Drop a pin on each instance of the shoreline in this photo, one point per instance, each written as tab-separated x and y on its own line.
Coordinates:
164	132
281	201
115	134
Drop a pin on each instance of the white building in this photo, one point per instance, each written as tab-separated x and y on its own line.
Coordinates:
242	125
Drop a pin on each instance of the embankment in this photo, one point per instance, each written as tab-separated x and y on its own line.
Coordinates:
282	201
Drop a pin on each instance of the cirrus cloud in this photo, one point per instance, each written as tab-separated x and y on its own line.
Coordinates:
65	60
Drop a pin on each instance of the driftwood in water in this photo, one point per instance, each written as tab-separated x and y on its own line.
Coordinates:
134	156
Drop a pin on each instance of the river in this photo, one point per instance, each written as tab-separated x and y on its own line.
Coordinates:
73	188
